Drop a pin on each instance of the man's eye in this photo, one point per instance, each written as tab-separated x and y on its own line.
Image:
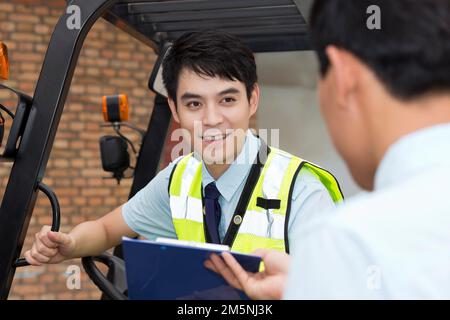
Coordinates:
229	100
193	104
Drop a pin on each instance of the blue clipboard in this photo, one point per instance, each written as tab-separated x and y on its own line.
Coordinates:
158	270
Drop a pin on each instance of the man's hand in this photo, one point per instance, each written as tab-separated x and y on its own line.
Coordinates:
50	247
268	284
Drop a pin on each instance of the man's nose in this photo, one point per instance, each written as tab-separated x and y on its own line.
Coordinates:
212	116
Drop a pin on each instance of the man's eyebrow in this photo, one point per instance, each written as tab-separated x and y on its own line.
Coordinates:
228	91
188	95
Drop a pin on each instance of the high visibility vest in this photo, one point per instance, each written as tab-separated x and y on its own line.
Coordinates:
262	214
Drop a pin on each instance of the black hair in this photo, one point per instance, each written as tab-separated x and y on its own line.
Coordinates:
209	53
410	53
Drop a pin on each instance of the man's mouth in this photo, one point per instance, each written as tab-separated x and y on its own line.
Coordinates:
217	137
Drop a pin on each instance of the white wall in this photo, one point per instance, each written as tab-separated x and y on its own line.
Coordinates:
289	103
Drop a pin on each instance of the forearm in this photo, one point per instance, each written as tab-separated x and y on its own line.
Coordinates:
91	239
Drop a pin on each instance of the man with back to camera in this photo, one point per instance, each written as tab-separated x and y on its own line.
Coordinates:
212	86
385	97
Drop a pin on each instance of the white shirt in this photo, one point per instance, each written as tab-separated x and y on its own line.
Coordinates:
393	243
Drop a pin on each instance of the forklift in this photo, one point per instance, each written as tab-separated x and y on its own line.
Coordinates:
265	25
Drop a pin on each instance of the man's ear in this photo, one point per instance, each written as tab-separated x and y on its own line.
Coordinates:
343	74
173	109
254	99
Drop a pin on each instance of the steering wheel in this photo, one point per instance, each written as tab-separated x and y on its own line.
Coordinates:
116	291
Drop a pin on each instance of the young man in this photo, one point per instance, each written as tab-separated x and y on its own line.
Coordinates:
224	192
385	96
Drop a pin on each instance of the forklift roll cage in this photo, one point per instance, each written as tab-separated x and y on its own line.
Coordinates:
265	25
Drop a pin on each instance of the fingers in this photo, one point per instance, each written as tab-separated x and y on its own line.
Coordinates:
59	238
235	268
217	265
42	237
274	261
211	266
261	252
45	246
37	256
31	260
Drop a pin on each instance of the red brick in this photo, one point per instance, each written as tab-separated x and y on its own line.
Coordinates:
95	201
77	126
63	182
61	163
26	66
45	220
6	7
30	37
96	192
62	136
51	20
77	89
79	201
28	289
42	29
112	201
7	26
16	17
41	48
91	53
24	28
97	90
78	163
41	11
64	201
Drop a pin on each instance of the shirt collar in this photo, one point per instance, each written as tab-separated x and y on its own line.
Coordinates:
414	153
229	182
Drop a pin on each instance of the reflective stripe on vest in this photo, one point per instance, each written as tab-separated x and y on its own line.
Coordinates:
186	200
260	227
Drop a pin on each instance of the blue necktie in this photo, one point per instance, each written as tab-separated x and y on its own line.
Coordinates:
212	211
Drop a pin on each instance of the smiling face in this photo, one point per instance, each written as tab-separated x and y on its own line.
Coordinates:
216	113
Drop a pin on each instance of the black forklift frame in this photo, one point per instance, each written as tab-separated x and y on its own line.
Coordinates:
265	25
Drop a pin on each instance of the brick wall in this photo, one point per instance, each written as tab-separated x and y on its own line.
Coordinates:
110	62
